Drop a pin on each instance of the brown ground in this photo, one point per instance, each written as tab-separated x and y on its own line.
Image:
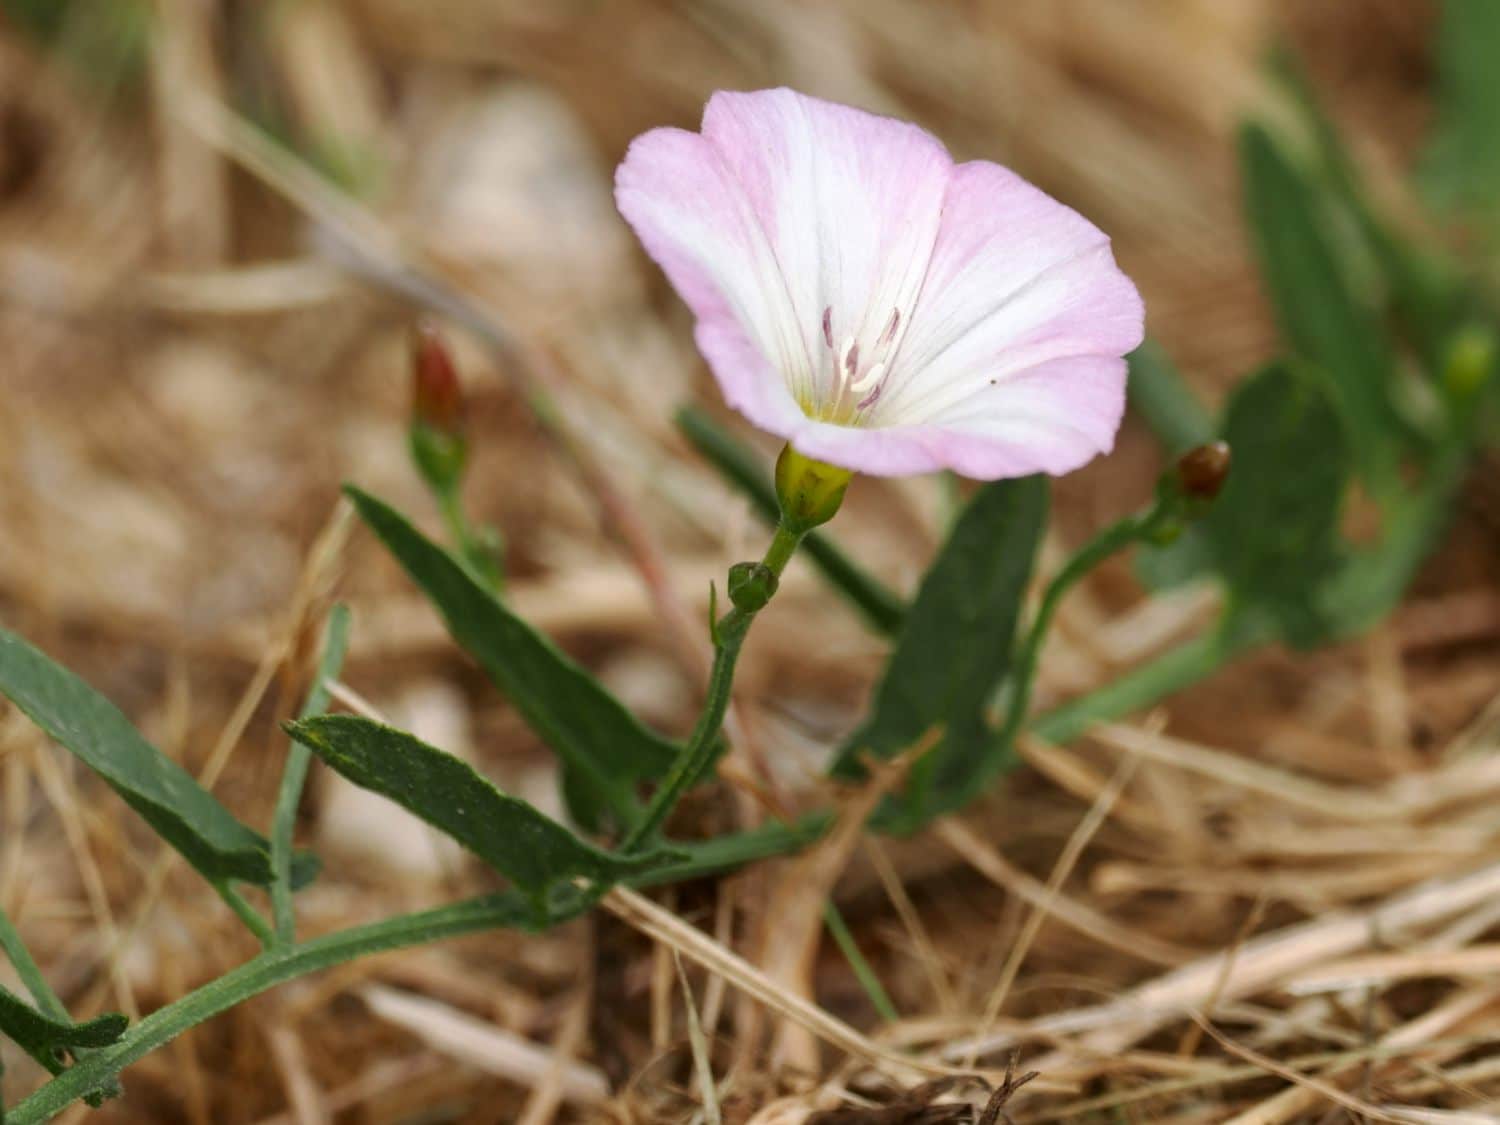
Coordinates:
189	374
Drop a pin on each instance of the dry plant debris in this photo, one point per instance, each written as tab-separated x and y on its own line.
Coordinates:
1287	911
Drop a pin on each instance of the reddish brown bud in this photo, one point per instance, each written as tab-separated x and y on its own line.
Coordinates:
437	398
1201	472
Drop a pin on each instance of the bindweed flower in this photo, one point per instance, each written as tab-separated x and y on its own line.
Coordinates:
880	307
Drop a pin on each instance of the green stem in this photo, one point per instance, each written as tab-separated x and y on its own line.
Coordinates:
276	966
783	547
702	744
882	608
469	547
1116	537
294	776
29	972
864	972
247	914
452	510
1170	672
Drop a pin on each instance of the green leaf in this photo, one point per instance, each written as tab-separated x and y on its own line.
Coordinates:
1423	290
881	607
957	644
1318	312
49	1041
1169	565
1162	397
1462	168
1274	530
530	849
590	730
185	814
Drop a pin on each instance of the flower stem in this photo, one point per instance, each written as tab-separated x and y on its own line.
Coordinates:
294	776
247	914
1116	537
469	545
273	967
1173	670
702	744
883	609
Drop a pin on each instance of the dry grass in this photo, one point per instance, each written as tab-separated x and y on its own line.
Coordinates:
1274	902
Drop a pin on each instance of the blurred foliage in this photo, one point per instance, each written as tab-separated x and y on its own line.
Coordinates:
1390	354
104	43
1462	170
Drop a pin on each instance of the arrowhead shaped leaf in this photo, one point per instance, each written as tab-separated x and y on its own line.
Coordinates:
1274	530
530	849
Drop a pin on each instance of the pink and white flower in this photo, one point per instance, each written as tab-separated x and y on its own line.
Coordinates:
880	307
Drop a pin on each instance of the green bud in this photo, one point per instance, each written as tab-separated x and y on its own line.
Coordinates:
1187	491
1470	361
809	491
751	586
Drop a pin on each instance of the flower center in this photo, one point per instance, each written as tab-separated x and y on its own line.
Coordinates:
858	377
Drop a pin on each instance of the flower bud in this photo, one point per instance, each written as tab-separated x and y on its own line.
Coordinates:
436	432
1201	472
751	586
1470	362
809	491
437	398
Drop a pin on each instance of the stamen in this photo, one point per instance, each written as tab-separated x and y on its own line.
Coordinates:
828	325
870	399
851	356
870	378
890	329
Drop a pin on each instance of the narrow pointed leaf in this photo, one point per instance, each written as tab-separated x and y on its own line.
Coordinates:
1422	287
588	728
185	814
1462	169
1161	396
956	645
1320	316
530	849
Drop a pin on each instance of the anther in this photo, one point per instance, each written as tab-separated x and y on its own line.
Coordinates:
890	329
870	378
828	325
851	356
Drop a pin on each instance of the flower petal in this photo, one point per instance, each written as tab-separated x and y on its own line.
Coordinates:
1052	419
1017	282
850	203
696	223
